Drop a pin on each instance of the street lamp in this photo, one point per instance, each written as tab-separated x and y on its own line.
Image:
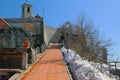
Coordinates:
67	26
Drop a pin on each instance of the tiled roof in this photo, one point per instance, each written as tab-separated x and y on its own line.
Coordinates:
4	24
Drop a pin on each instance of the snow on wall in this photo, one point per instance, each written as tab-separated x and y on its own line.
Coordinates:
82	69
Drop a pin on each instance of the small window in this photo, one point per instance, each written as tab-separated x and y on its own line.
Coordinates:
28	9
23	10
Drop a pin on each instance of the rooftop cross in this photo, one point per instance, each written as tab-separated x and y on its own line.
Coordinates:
26	1
43	12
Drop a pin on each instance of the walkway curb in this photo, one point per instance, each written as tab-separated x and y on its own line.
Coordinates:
32	64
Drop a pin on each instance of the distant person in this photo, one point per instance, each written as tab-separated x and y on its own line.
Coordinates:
62	37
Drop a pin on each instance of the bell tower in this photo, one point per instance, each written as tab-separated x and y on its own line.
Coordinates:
26	10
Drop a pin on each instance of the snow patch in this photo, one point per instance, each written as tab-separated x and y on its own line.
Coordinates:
82	69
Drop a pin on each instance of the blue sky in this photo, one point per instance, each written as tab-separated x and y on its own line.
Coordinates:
105	14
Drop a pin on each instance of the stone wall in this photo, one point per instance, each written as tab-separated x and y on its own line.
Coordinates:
25	23
39	25
48	34
32	26
13	58
12	38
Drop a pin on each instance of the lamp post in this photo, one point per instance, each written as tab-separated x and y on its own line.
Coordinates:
67	26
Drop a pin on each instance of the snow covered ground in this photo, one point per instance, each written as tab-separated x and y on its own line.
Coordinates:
83	69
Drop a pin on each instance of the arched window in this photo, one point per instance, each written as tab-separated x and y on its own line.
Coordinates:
28	9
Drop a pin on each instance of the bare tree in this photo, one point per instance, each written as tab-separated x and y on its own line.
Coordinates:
85	39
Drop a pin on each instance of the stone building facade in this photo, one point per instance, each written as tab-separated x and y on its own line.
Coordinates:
12	52
33	25
28	27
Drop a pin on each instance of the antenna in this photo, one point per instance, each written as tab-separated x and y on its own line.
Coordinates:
43	12
26	1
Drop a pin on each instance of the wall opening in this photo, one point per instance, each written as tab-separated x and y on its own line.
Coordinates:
28	9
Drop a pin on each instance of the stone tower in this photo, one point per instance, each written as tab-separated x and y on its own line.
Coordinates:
26	10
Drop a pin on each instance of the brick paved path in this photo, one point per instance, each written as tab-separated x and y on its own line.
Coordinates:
48	67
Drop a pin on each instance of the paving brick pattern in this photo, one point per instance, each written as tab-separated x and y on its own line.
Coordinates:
48	67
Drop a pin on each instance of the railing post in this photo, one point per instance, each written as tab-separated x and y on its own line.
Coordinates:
24	60
109	69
